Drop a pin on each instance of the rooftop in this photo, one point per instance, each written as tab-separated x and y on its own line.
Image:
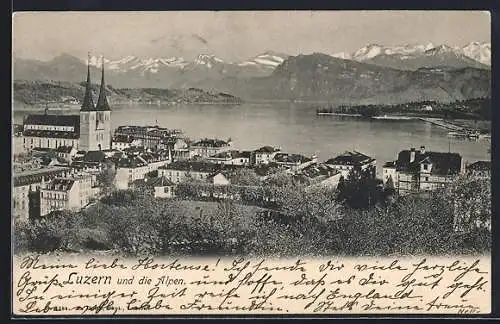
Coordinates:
53	134
267	149
291	158
54	120
131	161
210	143
94	156
64	149
60	184
233	154
194	166
442	163
351	158
35	176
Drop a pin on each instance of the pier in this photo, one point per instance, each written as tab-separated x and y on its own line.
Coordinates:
440	122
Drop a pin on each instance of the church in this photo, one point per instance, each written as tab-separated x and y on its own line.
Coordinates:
88	131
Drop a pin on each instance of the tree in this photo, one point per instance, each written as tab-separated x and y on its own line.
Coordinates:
107	176
360	190
244	177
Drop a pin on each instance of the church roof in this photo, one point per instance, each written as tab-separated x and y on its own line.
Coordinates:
53	120
88	102
102	101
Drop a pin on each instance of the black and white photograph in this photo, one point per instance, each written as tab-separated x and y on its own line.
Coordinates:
264	134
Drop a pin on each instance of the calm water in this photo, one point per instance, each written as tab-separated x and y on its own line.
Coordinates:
295	128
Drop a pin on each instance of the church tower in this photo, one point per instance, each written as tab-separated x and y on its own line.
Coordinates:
103	122
88	117
95	121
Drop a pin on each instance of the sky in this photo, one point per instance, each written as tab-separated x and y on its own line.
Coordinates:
235	36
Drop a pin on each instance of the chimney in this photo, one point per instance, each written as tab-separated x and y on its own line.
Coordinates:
412	155
422	149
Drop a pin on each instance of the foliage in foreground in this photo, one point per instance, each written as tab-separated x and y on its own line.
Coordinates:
304	222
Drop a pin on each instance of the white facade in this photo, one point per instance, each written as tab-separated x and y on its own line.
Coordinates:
30	142
95	130
71	193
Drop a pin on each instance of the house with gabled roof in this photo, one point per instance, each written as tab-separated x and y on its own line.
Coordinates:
422	170
207	147
346	162
232	157
70	192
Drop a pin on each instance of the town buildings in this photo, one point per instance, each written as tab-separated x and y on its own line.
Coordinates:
319	175
264	155
159	187
25	201
70	192
90	130
293	162
205	148
349	161
184	170
150	137
232	157
421	170
133	166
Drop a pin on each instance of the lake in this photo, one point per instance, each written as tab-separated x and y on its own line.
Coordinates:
295	128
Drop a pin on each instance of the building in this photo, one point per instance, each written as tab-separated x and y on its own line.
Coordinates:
209	147
71	192
66	153
25	191
181	170
128	169
293	162
480	169
349	161
178	147
264	155
422	170
123	142
151	137
231	158
218	179
159	187
90	130
319	175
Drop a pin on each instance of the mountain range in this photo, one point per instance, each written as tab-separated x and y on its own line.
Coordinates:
413	57
373	73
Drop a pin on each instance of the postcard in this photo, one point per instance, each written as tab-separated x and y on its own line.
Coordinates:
251	163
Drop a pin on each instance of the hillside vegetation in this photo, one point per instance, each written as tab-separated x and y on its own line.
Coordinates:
39	92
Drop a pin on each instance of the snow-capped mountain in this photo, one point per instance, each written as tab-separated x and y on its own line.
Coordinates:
415	56
261	64
343	55
480	52
207	60
266	60
129	63
372	50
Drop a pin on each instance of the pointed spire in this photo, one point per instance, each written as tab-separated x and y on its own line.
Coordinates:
102	102
88	102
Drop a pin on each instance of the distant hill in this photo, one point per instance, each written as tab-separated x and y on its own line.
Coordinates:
372	74
40	92
323	77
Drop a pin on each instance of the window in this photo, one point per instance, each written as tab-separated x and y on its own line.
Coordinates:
426	178
425	166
